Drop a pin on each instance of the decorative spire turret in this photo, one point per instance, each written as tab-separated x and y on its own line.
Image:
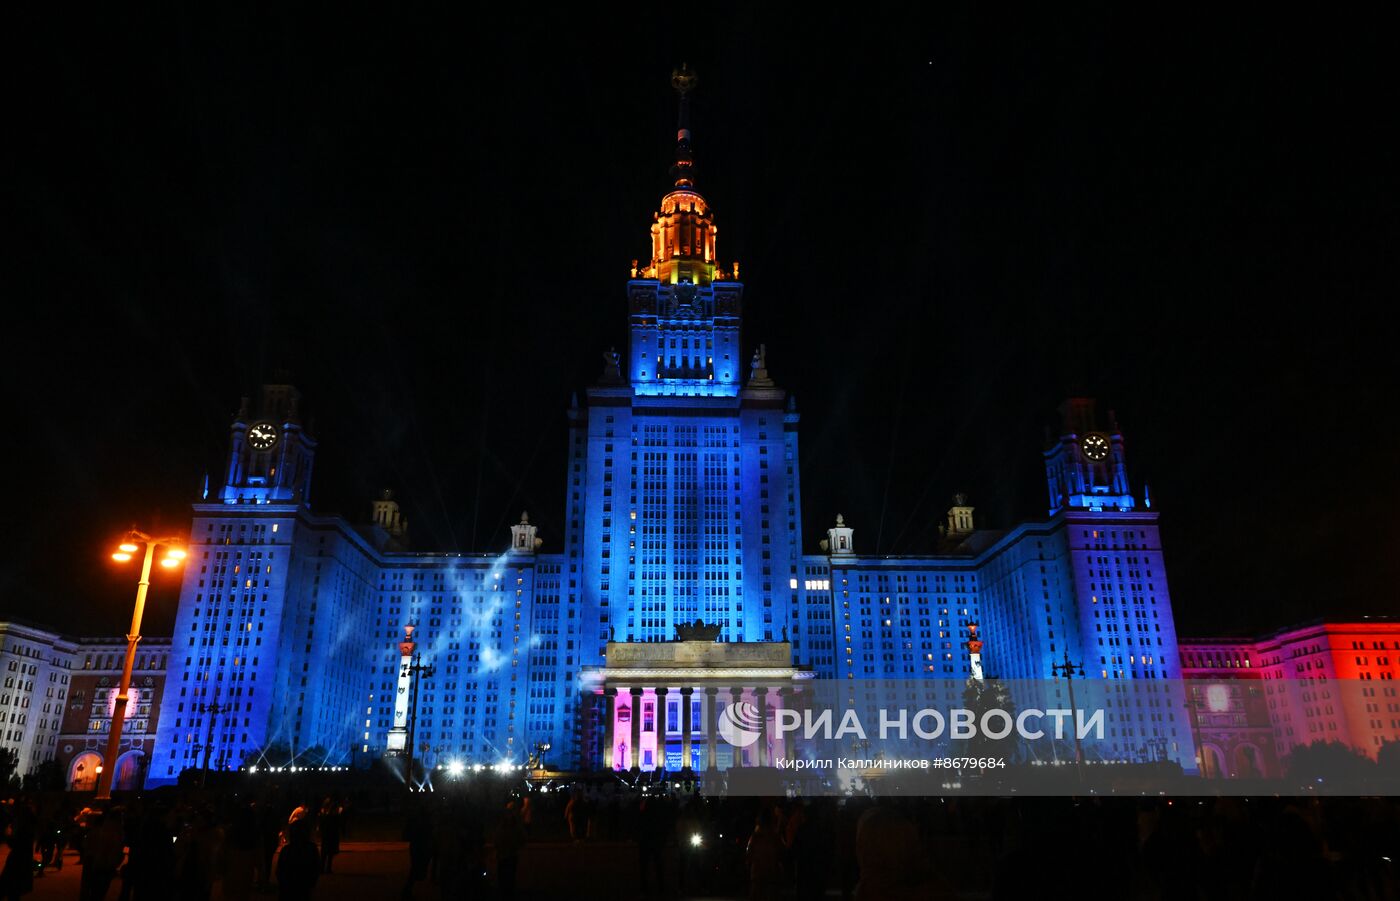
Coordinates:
683	231
840	539
683	171
390	524
685	309
959	517
523	538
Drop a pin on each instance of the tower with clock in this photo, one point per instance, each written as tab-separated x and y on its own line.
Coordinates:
1084	468
1111	552
270	452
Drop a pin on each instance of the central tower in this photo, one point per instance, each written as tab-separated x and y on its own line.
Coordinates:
683	497
685	309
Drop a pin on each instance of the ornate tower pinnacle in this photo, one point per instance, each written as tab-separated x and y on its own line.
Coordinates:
683	80
685	309
683	231
522	536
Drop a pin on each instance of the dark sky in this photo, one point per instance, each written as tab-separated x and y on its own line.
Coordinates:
946	225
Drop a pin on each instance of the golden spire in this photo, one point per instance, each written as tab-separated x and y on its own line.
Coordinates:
683	80
683	232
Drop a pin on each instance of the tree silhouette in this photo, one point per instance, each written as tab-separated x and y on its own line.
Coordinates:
1329	764
979	696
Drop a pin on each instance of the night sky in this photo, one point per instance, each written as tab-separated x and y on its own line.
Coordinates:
945	226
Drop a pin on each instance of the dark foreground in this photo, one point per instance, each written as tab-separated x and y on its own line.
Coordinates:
498	839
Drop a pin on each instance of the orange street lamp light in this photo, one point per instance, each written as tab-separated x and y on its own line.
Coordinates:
174	556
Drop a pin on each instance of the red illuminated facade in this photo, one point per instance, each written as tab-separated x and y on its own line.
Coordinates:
1254	701
87	717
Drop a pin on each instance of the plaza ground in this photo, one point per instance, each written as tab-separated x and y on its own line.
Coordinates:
592	871
376	870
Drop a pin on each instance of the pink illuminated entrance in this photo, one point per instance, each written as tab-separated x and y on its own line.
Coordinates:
697	704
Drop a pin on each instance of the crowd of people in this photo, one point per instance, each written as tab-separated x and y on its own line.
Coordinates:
469	841
167	847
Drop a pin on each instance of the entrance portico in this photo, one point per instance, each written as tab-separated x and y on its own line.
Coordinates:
693	702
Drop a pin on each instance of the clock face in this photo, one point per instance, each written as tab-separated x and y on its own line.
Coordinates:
1095	446
262	435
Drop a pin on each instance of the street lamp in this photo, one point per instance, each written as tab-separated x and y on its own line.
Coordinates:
418	669
1069	669
174	556
212	710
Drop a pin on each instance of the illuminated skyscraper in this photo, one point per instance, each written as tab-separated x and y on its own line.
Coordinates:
683	504
683	500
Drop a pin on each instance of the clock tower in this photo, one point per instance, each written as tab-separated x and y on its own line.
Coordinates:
1084	468
270	453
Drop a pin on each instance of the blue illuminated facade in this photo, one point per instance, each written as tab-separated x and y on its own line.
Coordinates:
290	621
683	503
1088	584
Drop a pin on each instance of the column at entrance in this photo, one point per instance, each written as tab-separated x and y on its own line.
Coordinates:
710	693
609	715
780	742
686	692
661	722
761	755
735	696
634	750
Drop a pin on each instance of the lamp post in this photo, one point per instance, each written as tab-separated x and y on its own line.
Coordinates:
418	669
174	556
212	710
1069	669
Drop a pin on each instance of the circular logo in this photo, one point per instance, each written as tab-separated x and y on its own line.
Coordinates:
740	724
